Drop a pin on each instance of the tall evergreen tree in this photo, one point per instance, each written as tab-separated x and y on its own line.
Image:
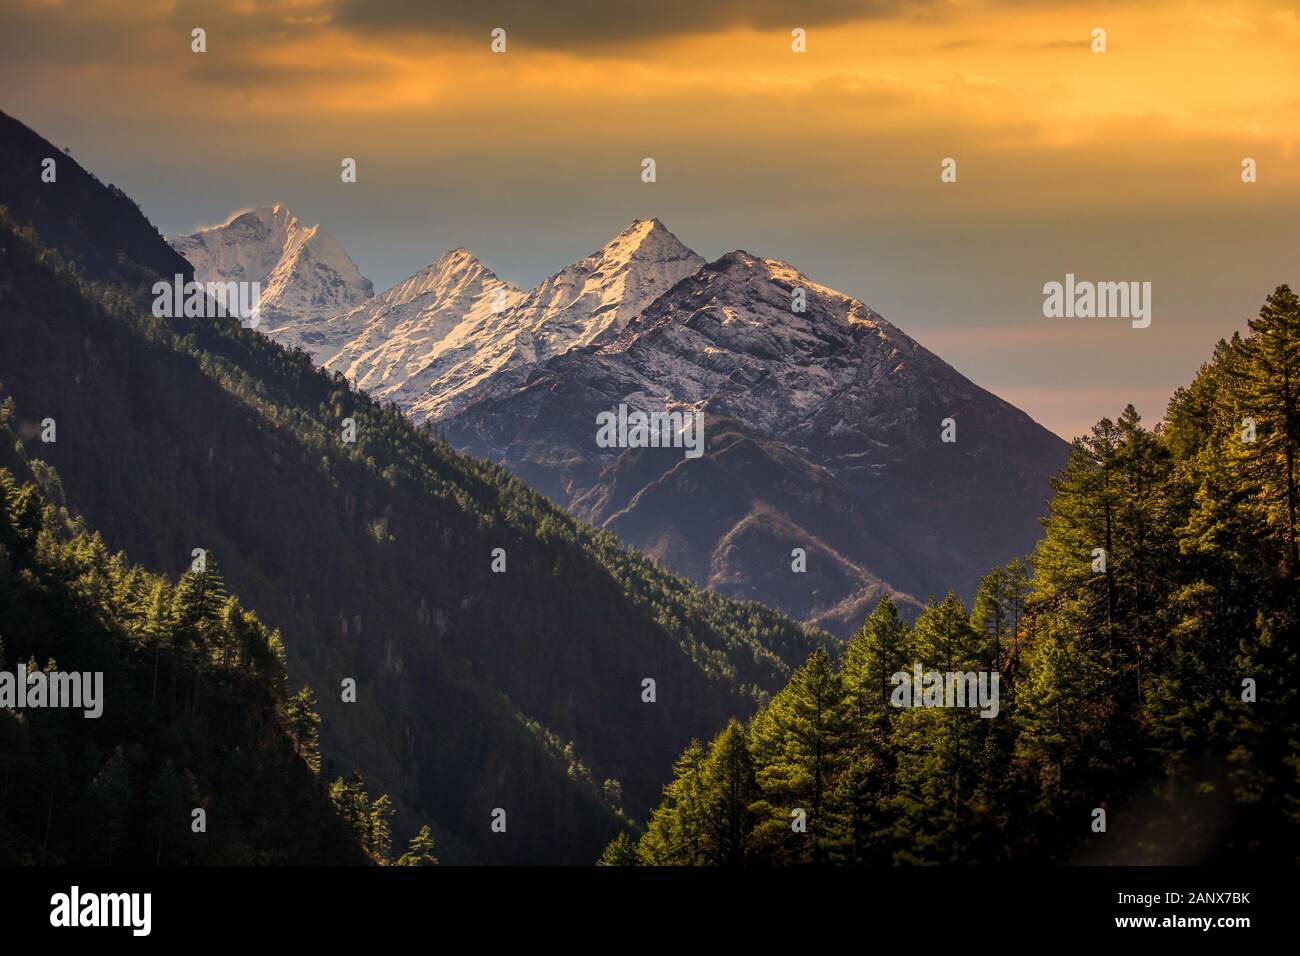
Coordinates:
797	743
1268	383
677	834
729	791
941	748
875	653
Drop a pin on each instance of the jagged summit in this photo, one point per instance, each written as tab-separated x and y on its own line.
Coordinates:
267	215
303	273
458	265
262	223
652	239
502	332
645	241
388	341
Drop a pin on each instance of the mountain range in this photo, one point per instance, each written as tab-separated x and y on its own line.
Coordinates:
825	423
471	646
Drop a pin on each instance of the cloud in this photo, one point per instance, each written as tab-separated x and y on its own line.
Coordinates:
587	22
106	32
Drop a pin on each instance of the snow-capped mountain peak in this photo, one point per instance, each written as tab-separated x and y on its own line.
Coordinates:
389	340
597	295
303	272
457	274
645	240
588	301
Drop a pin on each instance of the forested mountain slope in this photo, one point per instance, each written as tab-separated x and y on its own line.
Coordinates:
184	705
475	690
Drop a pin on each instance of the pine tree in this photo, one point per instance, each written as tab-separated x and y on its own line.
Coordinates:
1268	383
797	744
379	829
620	852
991	615
729	790
858	818
159	627
677	834
1016	589
1102	613
943	745
876	652
420	850
304	725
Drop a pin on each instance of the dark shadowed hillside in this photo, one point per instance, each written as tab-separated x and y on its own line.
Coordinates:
191	708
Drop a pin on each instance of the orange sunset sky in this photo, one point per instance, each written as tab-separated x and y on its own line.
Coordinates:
1123	165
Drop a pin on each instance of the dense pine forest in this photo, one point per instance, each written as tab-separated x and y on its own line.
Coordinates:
195	712
373	558
1148	694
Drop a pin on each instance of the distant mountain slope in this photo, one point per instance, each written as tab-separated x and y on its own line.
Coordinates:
475	690
823	431
302	271
454	332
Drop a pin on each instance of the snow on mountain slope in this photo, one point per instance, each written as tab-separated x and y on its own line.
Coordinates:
303	272
392	338
586	302
728	338
836	377
448	334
